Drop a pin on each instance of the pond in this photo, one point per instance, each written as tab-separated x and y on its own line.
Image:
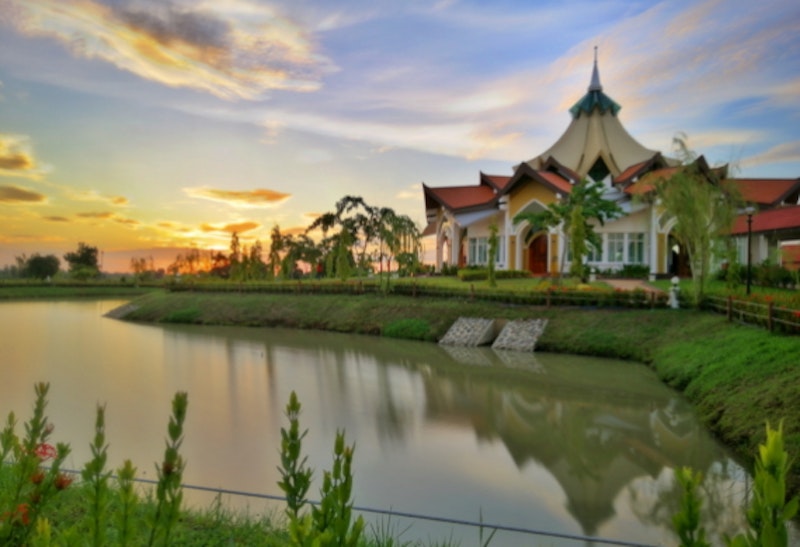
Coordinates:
563	444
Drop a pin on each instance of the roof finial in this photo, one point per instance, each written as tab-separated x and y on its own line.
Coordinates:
595	83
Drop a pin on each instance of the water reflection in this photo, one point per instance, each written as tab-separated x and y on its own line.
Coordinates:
559	443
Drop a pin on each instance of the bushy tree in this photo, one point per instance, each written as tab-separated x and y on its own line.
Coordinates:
703	208
41	267
83	262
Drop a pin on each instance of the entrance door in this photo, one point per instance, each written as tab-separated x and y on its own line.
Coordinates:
537	255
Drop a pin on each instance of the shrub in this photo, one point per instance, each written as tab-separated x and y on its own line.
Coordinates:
187	315
411	329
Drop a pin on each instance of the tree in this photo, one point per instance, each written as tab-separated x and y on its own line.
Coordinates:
703	208
41	267
83	262
493	243
275	249
576	214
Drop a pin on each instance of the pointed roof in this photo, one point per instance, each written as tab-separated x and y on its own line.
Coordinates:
595	133
595	98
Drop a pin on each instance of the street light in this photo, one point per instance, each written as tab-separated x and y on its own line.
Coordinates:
749	210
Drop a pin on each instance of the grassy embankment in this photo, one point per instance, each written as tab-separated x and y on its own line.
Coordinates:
737	377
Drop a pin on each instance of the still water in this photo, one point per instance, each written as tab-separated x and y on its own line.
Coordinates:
564	444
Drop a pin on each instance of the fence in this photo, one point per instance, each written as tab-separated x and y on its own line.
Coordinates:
773	318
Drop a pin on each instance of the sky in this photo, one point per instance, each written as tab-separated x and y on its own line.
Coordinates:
144	127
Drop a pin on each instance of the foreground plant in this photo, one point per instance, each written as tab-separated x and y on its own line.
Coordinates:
769	511
32	486
169	493
331	522
687	520
96	478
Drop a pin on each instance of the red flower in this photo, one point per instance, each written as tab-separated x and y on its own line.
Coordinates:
46	451
37	477
62	481
22	514
797	314
18	515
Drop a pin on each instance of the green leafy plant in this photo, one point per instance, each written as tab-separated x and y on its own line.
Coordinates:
769	511
96	478
128	500
169	493
687	520
32	485
331	522
295	474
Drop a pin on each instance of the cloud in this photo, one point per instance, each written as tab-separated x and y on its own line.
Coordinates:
785	152
410	192
260	197
238	227
15	194
101	215
56	218
16	158
92	195
236	50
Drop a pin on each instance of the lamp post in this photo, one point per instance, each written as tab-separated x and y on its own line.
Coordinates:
749	212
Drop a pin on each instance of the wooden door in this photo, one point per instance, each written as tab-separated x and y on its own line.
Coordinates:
537	255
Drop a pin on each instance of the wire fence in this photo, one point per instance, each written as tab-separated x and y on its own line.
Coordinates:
487	526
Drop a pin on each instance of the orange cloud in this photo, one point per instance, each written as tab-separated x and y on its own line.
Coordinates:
55	218
229	53
15	194
238	227
91	195
260	197
16	159
98	215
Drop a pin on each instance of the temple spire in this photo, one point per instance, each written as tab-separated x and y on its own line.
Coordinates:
595	84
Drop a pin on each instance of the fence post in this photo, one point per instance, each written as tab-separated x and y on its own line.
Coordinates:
414	289
730	308
471	291
769	316
548	299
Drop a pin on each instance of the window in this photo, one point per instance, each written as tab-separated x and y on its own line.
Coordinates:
616	247
636	248
627	248
594	254
478	251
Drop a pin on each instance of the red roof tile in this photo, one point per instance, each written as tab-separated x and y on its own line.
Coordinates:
462	197
556	181
766	191
781	218
498	181
648	182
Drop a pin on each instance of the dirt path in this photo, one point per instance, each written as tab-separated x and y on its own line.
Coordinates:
632	284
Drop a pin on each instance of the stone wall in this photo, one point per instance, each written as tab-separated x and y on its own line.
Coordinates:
470	332
520	335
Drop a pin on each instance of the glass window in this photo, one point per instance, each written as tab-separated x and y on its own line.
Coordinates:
594	254
616	247
478	251
636	248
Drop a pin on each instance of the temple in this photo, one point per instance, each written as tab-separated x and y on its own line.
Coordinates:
596	146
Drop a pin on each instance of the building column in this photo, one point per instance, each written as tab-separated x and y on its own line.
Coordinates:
455	237
653	244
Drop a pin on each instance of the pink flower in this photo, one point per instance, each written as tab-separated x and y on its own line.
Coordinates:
46	451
